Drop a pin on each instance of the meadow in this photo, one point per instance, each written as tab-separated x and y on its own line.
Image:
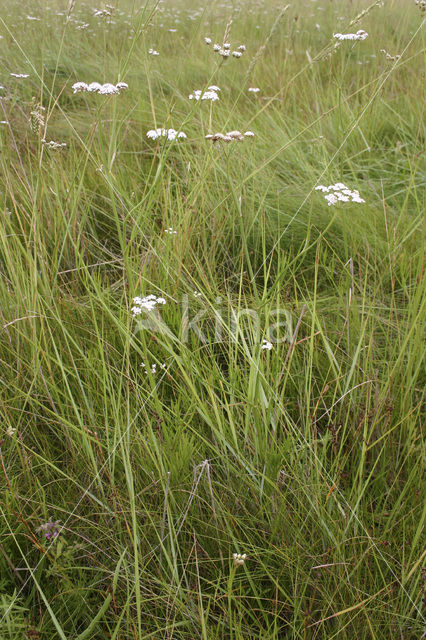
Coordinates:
211	320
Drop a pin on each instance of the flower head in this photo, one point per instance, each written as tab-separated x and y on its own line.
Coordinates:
359	35
339	192
239	559
169	134
148	303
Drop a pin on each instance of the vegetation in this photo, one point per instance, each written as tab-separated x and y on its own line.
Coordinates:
285	423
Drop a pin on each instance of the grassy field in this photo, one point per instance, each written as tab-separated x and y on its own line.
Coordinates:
268	402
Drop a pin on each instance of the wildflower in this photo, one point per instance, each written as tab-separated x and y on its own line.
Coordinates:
388	55
239	558
93	87
237	54
172	30
209	94
253	89
153	367
148	303
230	136
79	86
170	231
10	431
54	146
208	40
103	13
20	75
217	47
226	46
421	4
266	345
32	18
359	35
101	89
170	134
224	53
242	48
49	528
153	52
339	193
108	89
235	135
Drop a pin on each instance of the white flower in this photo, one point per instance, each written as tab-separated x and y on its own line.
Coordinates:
224	53
79	86
54	146
359	35
153	367
341	193
242	47
249	134
208	40
170	134
153	52
32	18
213	87
170	231
103	13
253	89
10	431
217	47
226	46
239	558
237	54
93	87
102	89
207	95
20	75
388	55
108	89
148	303
266	345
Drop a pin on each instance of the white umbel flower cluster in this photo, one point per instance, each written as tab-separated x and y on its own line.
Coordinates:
170	231
153	367
53	146
211	93
389	56
148	303
339	193
421	4
359	35
231	136
169	134
253	89
266	345
106	89
239	558
20	75
224	50
104	13
153	52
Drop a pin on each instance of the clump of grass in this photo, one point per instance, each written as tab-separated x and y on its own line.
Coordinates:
243	459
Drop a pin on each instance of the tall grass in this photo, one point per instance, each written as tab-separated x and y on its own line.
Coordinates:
307	457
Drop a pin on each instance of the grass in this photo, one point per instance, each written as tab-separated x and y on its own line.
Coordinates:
308	457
